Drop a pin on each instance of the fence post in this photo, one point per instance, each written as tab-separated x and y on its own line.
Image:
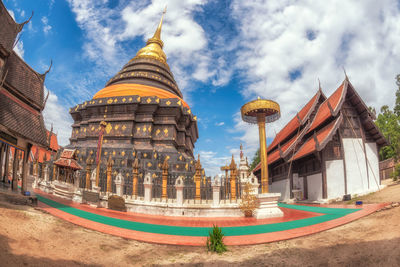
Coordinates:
216	185
197	178
233	170
179	190
88	167
109	170
164	178
119	184
148	185
135	171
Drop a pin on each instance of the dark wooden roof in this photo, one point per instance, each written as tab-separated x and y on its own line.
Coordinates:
8	29
23	79
22	119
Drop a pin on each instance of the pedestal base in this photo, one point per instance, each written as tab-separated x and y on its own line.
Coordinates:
268	206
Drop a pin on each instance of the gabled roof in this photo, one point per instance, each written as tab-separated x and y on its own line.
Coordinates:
319	140
21	119
330	107
8	30
53	143
297	121
40	154
285	150
67	160
22	78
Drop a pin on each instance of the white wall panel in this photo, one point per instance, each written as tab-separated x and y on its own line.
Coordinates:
356	169
314	186
283	187
335	178
373	165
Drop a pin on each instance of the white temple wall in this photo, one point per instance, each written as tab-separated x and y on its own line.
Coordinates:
298	182
314	186
335	178
373	165
356	168
283	187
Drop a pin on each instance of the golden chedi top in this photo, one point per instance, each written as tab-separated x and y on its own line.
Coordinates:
154	45
147	74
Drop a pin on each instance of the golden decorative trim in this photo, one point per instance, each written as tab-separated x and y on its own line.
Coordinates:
108	128
109	101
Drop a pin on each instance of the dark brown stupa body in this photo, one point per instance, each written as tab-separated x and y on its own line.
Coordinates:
146	118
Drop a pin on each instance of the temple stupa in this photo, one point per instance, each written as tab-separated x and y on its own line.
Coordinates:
143	114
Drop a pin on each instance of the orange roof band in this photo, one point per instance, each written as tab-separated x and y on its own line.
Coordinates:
126	89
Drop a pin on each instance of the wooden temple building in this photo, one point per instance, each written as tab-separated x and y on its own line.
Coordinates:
328	150
21	105
144	117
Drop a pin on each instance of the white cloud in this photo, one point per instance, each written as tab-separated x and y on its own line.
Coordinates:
316	39
185	42
219	123
212	163
58	115
46	26
19	49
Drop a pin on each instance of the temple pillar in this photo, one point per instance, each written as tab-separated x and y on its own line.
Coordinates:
233	173
87	181
2	148
148	185
109	179
119	184
179	190
135	172
14	181
164	179
197	178
24	185
6	164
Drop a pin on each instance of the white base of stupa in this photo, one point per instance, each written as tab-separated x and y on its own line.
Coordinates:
268	206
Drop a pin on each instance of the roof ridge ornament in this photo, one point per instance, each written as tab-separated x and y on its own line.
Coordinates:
21	25
345	74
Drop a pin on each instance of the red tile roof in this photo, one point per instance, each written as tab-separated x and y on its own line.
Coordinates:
294	123
67	160
41	154
70	163
276	155
53	144
323	136
324	112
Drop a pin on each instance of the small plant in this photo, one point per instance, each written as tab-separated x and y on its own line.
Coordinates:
396	173
215	242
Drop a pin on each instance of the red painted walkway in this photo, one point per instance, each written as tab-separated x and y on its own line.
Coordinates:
289	215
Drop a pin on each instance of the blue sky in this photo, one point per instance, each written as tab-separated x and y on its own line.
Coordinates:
222	54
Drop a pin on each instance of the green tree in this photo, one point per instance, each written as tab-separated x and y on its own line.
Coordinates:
396	108
256	159
388	123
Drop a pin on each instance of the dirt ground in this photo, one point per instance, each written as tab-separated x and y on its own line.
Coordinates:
30	237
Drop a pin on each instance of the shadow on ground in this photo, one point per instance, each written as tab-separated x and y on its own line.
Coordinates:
7	258
374	253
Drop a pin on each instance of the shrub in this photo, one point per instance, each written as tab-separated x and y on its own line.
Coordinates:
396	173
215	242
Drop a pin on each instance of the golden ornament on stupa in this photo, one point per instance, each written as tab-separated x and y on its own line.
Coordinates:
259	112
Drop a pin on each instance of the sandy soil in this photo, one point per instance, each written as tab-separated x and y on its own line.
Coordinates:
29	237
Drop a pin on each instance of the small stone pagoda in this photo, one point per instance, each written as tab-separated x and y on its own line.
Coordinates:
139	114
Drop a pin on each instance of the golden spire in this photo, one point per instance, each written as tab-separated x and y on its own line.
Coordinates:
153	48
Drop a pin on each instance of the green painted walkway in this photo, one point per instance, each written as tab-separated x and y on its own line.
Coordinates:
329	214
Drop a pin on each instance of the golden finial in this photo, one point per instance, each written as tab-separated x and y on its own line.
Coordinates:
153	48
157	34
